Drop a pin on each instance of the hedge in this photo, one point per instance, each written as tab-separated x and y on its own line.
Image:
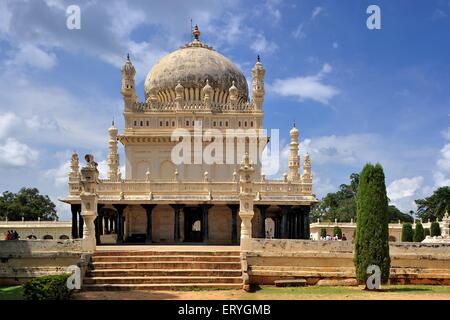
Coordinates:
419	234
407	232
52	287
323	232
337	231
435	229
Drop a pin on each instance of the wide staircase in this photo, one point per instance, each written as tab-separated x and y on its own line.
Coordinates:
162	269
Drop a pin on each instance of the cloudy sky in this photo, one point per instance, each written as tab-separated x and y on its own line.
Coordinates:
356	95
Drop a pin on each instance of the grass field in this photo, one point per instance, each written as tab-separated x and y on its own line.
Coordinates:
397	292
11	293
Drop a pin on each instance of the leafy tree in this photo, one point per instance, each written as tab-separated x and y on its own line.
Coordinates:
341	205
407	232
395	214
435	229
435	205
27	203
337	231
419	233
323	232
372	234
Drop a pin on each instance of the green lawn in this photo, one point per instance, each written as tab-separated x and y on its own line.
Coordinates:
11	293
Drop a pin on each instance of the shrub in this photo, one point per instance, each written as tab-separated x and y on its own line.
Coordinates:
323	232
419	233
435	229
427	232
372	233
407	232
47	288
337	231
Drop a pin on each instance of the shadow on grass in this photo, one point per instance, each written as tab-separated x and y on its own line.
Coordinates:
406	289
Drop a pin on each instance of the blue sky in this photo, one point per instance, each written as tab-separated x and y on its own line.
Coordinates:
357	95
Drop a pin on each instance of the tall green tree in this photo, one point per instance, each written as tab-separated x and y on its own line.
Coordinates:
407	232
435	229
419	232
27	203
372	234
435	205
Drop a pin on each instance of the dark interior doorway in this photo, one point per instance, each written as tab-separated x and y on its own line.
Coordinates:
193	225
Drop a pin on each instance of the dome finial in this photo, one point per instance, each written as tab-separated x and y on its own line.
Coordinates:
196	33
128	56
258	58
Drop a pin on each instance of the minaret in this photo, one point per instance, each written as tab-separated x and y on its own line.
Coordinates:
294	159
307	176
258	73
74	168
113	156
128	89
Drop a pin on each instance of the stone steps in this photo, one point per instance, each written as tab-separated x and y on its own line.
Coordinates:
172	286
162	280
164	270
234	253
152	258
165	265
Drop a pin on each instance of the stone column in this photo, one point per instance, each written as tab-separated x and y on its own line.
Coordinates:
89	199
205	227
75	208
284	221
148	209
306	231
262	220
80	224
176	223
246	197
234	210
98	223
119	221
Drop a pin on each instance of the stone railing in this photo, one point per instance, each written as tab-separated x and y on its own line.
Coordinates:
272	188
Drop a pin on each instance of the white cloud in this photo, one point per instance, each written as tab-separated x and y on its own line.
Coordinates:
335	45
299	33
59	175
354	149
404	188
7	121
441	174
262	45
316	11
306	87
16	154
32	56
402	192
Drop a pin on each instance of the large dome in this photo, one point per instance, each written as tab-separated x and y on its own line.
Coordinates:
191	66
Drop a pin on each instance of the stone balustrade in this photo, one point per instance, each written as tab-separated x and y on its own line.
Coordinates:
263	189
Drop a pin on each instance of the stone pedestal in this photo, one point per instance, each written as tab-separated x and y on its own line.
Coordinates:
89	201
246	197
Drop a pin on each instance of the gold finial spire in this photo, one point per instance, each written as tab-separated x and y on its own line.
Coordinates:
196	33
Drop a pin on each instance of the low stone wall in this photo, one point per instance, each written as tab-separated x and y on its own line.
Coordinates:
21	260
272	259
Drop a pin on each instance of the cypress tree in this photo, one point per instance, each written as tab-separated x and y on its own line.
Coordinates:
419	233
435	229
323	232
407	232
337	231
372	233
427	232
